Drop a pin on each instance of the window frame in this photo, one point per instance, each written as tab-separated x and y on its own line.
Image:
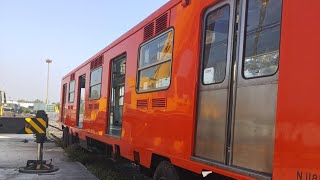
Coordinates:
89	94
139	69
204	36
74	91
243	57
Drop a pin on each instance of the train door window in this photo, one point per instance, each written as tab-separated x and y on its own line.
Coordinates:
117	96
154	67
71	91
81	100
95	83
216	46
64	101
262	41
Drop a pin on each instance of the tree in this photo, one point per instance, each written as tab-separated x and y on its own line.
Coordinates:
38	101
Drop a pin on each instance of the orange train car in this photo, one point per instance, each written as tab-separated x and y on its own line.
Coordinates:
228	86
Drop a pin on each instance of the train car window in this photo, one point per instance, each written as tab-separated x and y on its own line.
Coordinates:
154	70
216	46
72	85
262	41
95	83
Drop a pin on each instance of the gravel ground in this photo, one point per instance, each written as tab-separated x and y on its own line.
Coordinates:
100	166
54	125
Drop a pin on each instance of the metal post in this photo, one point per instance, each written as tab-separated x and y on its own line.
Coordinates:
40	152
48	78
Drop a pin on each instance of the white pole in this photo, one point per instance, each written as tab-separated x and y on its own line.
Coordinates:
48	78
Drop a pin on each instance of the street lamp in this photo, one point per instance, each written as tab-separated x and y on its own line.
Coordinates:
48	61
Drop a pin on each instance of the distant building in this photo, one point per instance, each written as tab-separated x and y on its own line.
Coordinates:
25	105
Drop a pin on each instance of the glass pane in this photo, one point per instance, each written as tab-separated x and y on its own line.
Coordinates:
216	46
157	50
95	91
64	94
72	86
262	38
96	76
155	77
71	97
121	91
123	67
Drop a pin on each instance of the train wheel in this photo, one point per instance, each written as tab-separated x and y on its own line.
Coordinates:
166	171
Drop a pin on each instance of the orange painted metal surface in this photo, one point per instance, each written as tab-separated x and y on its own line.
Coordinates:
297	142
170	131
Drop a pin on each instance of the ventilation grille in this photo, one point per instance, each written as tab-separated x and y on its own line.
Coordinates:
96	63
162	23
156	26
93	106
72	76
142	104
159	103
148	31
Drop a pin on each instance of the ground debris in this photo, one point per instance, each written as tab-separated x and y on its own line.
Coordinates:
103	167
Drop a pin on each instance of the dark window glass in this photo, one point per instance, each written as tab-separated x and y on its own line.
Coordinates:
95	83
216	46
71	90
123	68
71	97
262	38
95	91
155	63
72	86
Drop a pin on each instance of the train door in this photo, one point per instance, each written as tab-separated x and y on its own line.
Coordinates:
117	85
257	86
64	101
238	85
214	84
81	100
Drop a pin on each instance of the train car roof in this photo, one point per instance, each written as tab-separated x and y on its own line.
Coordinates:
136	28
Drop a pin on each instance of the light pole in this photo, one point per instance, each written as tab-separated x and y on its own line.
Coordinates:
48	61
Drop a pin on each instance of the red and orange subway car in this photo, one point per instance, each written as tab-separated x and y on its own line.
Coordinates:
228	86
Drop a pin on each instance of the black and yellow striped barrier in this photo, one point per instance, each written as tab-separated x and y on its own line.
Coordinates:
35	126
13	125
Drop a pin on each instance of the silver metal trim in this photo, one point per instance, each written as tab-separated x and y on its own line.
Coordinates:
154	64
239	50
233	169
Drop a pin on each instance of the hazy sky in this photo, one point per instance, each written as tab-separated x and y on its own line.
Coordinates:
68	32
